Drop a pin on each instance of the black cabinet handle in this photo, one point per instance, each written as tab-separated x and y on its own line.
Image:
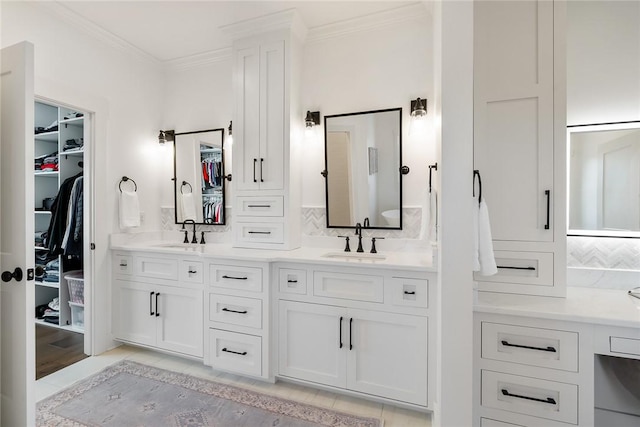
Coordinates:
192	271
548	194
258	232
508	267
261	168
254	170
549	400
508	344
340	329
123	264
258	206
409	292
244	353
292	281
234	311
234	278
350	333
157	309
151	313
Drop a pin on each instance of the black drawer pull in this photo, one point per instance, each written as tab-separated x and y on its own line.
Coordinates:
258	206
340	329
292	281
261	169
409	292
244	353
259	232
234	278
123	264
192	272
548	194
234	311
549	400
508	344
508	267
157	309
350	334
151	313
254	170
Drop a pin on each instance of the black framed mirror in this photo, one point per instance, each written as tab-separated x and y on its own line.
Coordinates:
199	176
363	178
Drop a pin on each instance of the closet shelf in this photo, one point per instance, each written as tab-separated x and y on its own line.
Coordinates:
41	248
72	153
55	285
53	325
46	173
47	136
75	121
42	212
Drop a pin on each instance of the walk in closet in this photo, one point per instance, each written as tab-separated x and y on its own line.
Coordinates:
59	216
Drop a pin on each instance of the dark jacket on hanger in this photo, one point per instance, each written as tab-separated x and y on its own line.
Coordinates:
58	224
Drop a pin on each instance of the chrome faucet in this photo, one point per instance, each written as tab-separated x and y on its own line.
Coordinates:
193	239
359	234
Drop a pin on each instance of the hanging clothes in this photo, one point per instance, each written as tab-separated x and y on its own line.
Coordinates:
65	228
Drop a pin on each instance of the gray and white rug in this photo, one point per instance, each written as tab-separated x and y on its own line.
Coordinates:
132	394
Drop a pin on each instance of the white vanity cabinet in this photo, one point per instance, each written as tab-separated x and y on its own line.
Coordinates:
366	333
519	141
237	318
158	302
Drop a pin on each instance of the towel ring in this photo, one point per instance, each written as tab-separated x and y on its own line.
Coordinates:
183	184
125	179
477	173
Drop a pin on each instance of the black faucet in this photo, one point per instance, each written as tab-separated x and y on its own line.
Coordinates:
193	239
359	234
365	223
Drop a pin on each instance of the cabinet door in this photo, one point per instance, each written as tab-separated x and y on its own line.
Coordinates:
180	317
387	355
134	312
271	161
513	116
313	342
246	129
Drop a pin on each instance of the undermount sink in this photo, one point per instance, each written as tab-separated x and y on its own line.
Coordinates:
356	256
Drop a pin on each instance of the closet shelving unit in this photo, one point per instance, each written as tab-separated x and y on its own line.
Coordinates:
47	184
214	193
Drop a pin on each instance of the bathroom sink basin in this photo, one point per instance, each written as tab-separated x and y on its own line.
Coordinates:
186	246
355	256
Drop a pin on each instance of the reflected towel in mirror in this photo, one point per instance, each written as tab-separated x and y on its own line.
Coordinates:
484	261
188	206
129	209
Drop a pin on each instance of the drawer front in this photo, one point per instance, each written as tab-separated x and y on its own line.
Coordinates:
191	271
235	310
530	396
527	268
547	348
235	352
237	278
410	292
348	286
292	281
122	264
260	206
624	345
488	422
159	268
260	232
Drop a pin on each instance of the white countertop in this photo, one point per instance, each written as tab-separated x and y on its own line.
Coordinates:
405	260
586	305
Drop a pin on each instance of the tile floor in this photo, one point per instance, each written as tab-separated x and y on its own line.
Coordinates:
392	415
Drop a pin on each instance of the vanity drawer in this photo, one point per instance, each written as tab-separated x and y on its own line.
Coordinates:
546	348
191	271
235	352
530	396
357	287
260	232
237	278
410	292
292	281
122	264
158	268
527	268
259	206
235	310
624	345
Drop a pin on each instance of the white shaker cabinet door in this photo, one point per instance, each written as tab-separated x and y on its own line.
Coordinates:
180	320
134	312
313	339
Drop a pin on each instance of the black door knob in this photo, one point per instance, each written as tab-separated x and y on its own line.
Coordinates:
8	275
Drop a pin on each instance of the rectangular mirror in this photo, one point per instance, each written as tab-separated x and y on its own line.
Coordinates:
604	179
363	155
199	176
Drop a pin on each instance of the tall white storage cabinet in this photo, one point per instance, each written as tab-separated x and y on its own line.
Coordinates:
59	155
519	141
266	124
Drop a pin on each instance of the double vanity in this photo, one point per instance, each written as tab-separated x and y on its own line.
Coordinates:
360	323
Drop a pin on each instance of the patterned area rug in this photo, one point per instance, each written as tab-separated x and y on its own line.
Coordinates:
132	394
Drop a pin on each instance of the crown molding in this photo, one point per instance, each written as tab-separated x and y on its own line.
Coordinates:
199	60
374	21
88	27
286	20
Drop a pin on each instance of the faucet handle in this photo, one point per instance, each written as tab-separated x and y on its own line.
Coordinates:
186	238
346	248
373	244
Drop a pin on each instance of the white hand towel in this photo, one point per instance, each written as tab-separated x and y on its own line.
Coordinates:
129	209
485	243
188	206
475	234
428	226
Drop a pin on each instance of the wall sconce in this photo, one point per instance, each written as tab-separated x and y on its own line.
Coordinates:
418	115
166	136
230	129
312	119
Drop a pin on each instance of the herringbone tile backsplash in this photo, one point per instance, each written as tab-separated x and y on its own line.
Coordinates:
603	252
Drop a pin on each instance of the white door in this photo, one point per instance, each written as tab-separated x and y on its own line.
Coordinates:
17	326
387	355
180	319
